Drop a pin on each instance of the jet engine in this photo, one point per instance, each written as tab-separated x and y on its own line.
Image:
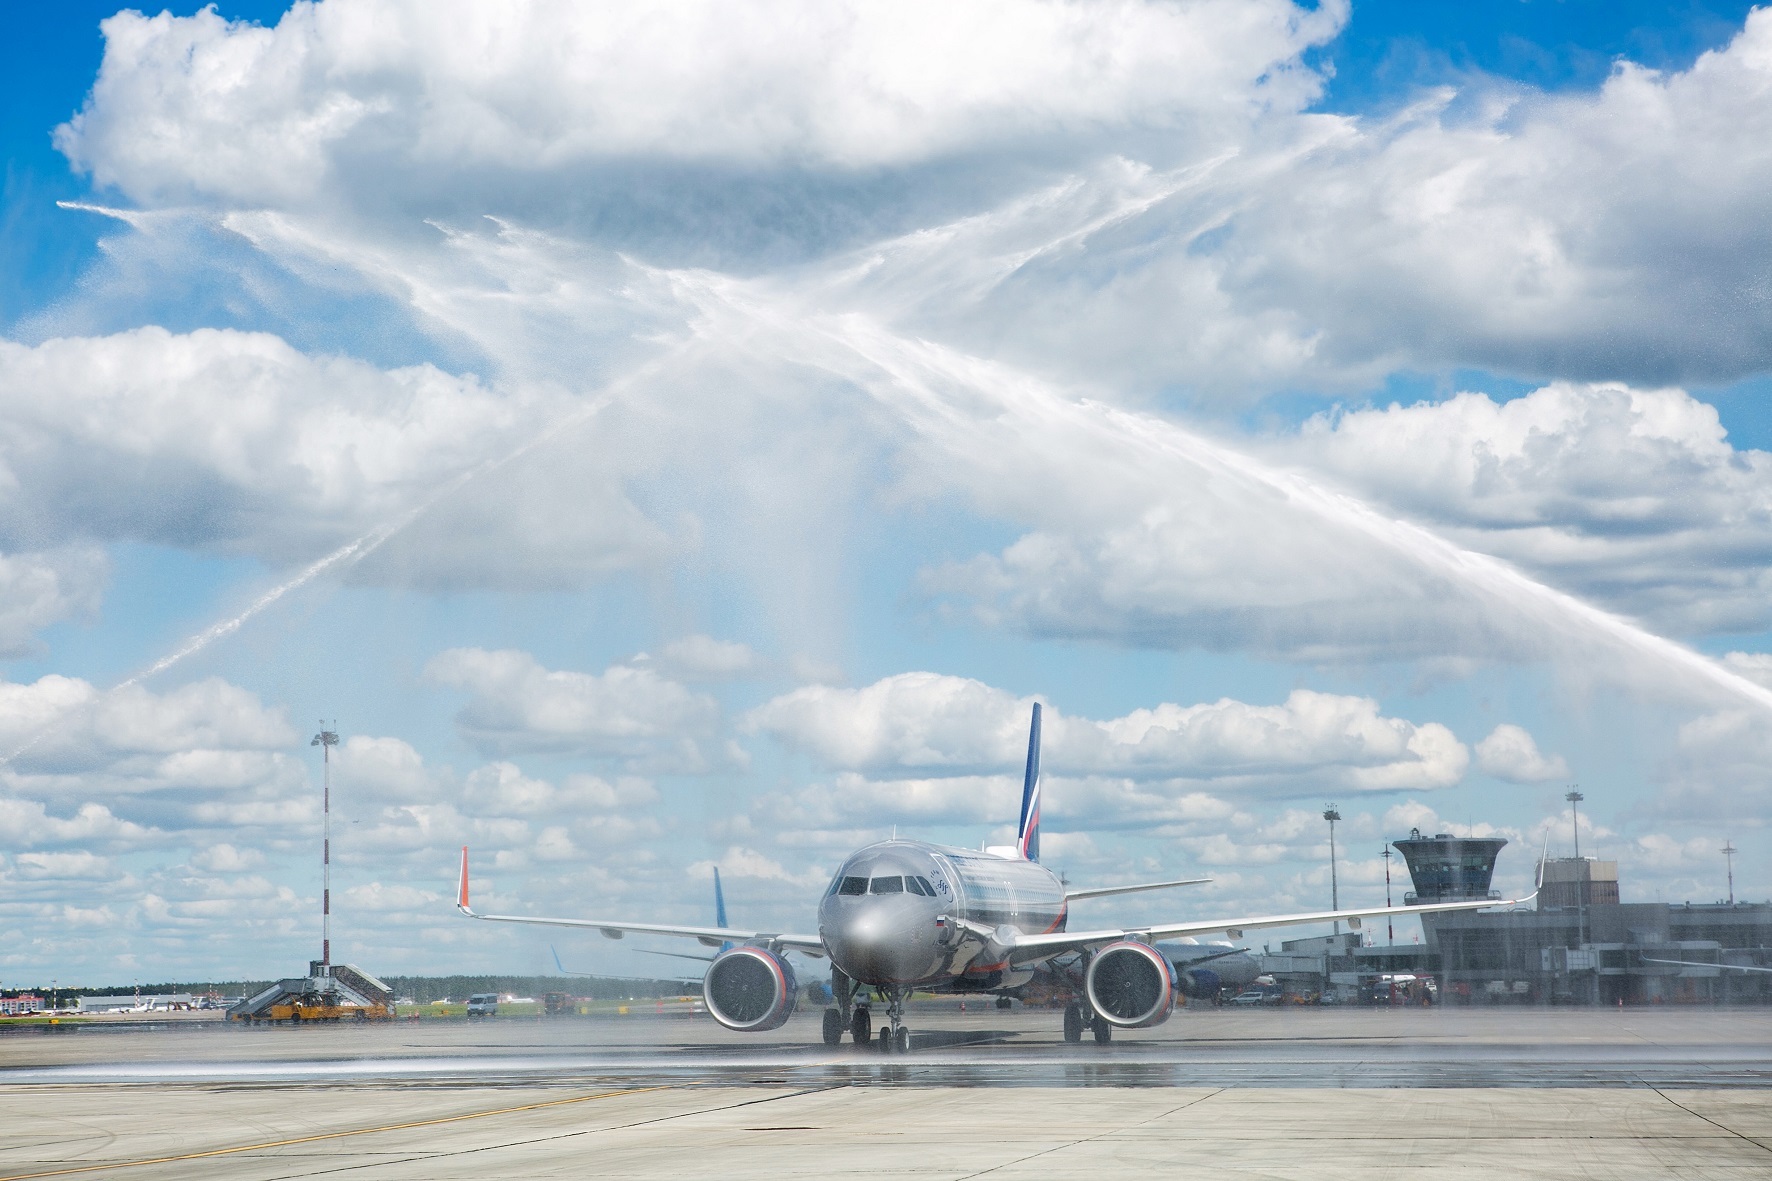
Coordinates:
1131	985
1201	984
750	989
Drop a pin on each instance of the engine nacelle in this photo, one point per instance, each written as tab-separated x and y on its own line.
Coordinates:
1132	985
1200	984
750	989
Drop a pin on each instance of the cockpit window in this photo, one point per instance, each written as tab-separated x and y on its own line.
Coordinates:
888	886
853	886
921	886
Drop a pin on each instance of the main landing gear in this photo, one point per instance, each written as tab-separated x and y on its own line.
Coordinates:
861	1025
1076	1020
833	1026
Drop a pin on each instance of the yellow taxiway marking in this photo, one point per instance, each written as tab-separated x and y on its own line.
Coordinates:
423	1123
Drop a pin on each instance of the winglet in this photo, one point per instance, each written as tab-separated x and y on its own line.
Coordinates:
461	899
719	901
1027	840
557	962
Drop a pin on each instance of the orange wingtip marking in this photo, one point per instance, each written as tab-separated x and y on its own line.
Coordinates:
463	900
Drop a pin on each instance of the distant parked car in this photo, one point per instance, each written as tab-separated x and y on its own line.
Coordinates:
483	1004
1256	998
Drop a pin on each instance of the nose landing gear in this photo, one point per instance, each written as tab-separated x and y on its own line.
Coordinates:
895	1038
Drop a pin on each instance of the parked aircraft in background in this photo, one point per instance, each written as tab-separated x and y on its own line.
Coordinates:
906	915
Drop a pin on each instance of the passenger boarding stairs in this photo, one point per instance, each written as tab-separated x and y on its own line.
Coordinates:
347	992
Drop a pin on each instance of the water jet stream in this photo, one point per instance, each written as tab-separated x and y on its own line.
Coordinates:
903	374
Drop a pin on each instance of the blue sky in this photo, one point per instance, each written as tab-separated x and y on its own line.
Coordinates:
681	446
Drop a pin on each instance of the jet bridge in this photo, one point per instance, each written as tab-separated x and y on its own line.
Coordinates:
338	992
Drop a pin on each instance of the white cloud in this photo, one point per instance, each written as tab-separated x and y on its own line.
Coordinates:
26	823
1511	753
1755	666
225	858
703	658
1630	497
625	712
38	589
948	725
196	106
64	866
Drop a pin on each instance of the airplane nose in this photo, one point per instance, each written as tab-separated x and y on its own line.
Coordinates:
878	944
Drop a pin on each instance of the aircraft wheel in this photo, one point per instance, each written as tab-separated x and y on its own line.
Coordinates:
861	1026
1073	1024
901	1041
833	1027
885	1040
1004	1002
1104	1033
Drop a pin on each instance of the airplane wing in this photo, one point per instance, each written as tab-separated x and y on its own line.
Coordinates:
1026	949
1106	891
1697	964
613	929
681	955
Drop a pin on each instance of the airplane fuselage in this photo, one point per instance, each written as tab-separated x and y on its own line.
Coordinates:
879	919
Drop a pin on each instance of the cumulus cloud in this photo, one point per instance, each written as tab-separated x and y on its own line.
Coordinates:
38	589
954	725
1511	753
1628	496
198	106
234	441
62	723
225	858
625	712
703	658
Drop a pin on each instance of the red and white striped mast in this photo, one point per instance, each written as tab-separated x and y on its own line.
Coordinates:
326	740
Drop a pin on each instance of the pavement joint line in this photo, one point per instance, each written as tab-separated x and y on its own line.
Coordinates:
1087	1139
560	1135
1707	1119
423	1123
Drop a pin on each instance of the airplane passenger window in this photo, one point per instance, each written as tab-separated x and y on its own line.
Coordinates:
853	886
888	885
924	888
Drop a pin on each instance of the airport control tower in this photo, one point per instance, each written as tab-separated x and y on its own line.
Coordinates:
1445	868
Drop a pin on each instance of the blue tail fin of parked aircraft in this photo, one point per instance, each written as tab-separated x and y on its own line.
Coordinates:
1027	838
719	902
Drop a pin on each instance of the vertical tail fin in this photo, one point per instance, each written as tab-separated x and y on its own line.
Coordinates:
1027	837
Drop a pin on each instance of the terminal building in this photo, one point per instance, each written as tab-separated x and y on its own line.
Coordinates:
1578	944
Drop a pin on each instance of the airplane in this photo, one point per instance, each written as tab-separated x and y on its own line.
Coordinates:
904	915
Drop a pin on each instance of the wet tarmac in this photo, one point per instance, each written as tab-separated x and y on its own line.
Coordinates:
1272	1094
985	1047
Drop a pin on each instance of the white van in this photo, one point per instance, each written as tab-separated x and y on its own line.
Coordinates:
483	1004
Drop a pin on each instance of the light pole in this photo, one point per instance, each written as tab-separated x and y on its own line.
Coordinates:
326	740
1331	815
1728	852
1582	887
1390	932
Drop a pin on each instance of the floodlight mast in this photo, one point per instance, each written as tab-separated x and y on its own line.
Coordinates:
326	740
1728	852
1331	815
